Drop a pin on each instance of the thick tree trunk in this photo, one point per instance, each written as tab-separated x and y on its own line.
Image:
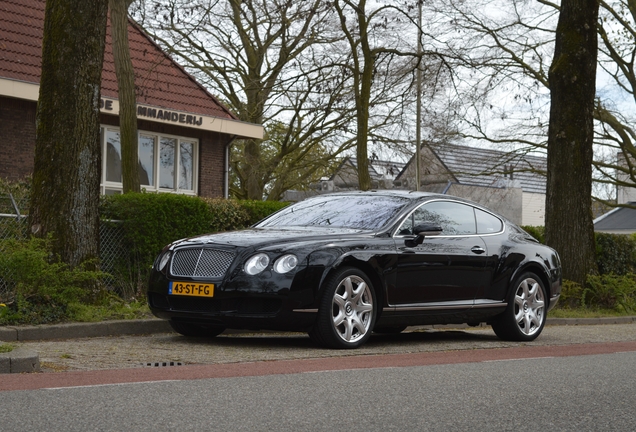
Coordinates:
254	170
568	220
65	192
126	90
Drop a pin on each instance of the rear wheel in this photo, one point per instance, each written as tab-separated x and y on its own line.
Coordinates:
525	314
347	310
196	330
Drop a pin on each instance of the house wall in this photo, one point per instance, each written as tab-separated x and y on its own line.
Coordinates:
533	209
17	137
508	202
346	177
17	144
624	194
432	171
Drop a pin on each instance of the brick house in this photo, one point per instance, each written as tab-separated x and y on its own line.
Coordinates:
184	131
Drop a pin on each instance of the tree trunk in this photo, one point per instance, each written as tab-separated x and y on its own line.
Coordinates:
126	90
253	170
67	167
568	220
363	101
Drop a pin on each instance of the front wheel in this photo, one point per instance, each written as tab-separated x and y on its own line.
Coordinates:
525	314
347	310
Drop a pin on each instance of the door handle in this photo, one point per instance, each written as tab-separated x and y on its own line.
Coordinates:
478	249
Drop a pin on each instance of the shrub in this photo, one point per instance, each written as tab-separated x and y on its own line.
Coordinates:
226	215
44	286
615	253
571	295
610	292
614	292
538	232
258	210
149	222
153	220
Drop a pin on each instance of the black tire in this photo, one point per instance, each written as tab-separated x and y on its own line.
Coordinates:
525	315
196	330
389	330
347	310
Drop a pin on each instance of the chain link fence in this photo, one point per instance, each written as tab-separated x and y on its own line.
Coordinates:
113	254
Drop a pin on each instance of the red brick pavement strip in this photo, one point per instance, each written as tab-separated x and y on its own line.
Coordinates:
110	377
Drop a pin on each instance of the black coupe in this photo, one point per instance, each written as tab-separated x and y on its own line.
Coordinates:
343	265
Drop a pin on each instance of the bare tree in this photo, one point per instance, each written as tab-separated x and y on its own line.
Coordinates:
374	43
65	192
264	58
501	52
126	90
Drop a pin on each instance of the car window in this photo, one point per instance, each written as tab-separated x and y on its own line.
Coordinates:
454	218
366	212
487	223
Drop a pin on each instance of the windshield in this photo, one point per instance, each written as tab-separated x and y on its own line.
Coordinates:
365	212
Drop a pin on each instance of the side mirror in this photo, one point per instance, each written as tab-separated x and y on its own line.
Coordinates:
422	231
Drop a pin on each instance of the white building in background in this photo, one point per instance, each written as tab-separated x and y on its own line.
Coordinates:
511	184
625	194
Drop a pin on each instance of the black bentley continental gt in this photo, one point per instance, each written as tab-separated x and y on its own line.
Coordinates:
343	265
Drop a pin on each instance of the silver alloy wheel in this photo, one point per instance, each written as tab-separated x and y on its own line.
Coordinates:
529	306
352	310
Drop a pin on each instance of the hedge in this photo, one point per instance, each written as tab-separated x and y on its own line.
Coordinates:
615	253
153	220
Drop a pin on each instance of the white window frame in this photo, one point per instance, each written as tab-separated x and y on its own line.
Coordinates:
117	187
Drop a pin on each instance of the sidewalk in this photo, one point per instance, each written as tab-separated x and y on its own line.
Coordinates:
20	360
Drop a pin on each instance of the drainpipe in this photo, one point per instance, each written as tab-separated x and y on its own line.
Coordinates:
226	169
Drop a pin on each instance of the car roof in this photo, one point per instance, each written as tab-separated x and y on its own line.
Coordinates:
414	196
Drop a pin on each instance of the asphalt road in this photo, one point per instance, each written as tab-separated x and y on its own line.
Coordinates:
571	393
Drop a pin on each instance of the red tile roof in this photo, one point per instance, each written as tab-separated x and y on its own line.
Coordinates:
160	81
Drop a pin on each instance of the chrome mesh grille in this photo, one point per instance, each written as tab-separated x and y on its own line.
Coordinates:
201	262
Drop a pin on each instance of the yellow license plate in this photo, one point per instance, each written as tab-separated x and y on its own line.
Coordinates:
191	289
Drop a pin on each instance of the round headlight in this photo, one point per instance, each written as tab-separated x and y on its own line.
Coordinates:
164	260
285	263
256	264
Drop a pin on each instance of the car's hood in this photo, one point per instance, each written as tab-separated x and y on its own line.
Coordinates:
255	237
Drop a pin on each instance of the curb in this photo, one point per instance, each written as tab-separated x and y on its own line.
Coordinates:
83	330
19	360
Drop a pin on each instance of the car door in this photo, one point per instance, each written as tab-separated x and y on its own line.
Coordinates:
447	270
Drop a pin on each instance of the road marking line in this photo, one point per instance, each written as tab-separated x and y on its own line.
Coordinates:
518	359
111	384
